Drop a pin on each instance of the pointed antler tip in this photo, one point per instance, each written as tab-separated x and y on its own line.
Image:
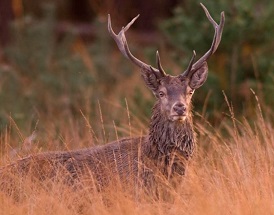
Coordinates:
223	15
157	57
202	5
136	17
110	30
158	61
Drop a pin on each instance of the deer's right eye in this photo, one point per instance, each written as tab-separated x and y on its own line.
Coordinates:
161	94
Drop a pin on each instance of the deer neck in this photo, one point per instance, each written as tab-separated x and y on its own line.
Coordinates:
167	138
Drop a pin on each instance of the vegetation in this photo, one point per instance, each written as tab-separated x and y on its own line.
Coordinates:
244	59
229	174
58	92
49	79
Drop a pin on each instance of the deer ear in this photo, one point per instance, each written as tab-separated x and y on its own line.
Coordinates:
151	80
199	77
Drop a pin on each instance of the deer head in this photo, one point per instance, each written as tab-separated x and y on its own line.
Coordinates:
174	93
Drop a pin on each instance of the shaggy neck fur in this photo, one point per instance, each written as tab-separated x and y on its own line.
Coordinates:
170	142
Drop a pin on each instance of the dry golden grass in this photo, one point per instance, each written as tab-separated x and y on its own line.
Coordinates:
231	173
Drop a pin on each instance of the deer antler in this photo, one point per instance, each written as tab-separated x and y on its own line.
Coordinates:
158	60
121	41
215	43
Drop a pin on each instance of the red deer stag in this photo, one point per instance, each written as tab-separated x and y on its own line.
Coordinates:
169	144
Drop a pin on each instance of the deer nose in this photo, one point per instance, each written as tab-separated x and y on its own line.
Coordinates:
179	108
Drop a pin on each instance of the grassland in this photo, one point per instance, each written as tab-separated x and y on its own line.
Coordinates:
231	173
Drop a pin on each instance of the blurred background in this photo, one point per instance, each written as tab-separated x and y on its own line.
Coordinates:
59	66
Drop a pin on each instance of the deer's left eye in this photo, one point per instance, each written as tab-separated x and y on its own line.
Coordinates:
191	92
161	94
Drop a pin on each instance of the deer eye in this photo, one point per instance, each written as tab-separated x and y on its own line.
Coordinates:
161	94
191	92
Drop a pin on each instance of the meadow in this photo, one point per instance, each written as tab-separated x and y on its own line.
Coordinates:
230	173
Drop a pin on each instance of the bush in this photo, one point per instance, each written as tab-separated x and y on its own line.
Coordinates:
244	58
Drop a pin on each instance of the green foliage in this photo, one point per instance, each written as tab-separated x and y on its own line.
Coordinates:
245	56
41	70
45	77
50	78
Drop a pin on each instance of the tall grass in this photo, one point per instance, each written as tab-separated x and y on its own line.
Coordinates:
231	173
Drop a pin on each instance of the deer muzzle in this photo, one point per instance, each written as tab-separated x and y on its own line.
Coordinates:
178	112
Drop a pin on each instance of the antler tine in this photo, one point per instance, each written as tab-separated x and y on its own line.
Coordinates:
215	43
160	68
186	73
121	42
